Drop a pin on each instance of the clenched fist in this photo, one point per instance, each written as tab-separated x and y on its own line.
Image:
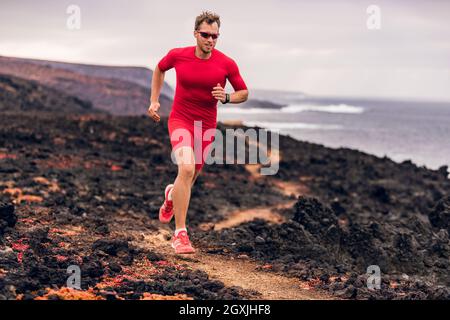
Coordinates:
219	93
152	111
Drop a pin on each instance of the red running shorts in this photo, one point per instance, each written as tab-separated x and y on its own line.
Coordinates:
186	137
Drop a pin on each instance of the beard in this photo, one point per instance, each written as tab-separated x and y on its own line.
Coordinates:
207	49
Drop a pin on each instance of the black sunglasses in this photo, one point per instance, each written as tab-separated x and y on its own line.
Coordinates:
206	35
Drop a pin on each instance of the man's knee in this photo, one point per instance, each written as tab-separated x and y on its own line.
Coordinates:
186	171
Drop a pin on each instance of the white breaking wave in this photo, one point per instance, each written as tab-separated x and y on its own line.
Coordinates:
333	108
291	125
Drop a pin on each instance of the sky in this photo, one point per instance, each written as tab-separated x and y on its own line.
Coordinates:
322	48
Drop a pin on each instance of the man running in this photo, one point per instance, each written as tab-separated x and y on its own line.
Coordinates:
202	72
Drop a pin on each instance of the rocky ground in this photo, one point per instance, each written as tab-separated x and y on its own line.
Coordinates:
85	190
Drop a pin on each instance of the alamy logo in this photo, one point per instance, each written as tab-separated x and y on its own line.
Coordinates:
74	19
374	279
74	281
374	19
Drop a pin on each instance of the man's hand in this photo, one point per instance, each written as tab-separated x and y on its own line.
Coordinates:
219	93
152	111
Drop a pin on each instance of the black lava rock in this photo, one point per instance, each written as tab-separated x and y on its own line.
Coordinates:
8	217
440	215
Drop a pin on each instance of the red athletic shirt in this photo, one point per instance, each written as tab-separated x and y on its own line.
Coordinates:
196	78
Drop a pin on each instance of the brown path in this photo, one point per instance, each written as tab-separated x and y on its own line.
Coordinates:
234	272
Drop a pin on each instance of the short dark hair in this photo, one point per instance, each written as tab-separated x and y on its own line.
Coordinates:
208	17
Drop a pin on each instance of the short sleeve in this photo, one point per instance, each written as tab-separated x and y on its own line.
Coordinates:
168	61
235	77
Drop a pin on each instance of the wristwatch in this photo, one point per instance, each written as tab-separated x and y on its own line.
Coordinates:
227	98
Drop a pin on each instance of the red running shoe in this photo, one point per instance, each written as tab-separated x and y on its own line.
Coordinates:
181	243
166	210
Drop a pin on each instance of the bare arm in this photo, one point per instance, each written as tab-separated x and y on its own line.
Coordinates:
238	96
157	83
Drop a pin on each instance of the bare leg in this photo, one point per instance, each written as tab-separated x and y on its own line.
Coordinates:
197	172
181	193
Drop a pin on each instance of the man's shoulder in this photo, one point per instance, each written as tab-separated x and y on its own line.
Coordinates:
180	50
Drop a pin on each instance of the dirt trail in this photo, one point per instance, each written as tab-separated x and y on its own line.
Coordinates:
235	272
241	271
268	213
232	271
265	213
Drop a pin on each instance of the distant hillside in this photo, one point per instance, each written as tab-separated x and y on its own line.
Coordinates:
273	99
116	90
24	95
256	103
138	75
278	96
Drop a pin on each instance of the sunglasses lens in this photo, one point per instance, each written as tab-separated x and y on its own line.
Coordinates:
207	35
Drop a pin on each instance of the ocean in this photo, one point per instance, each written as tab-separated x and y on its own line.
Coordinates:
400	130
